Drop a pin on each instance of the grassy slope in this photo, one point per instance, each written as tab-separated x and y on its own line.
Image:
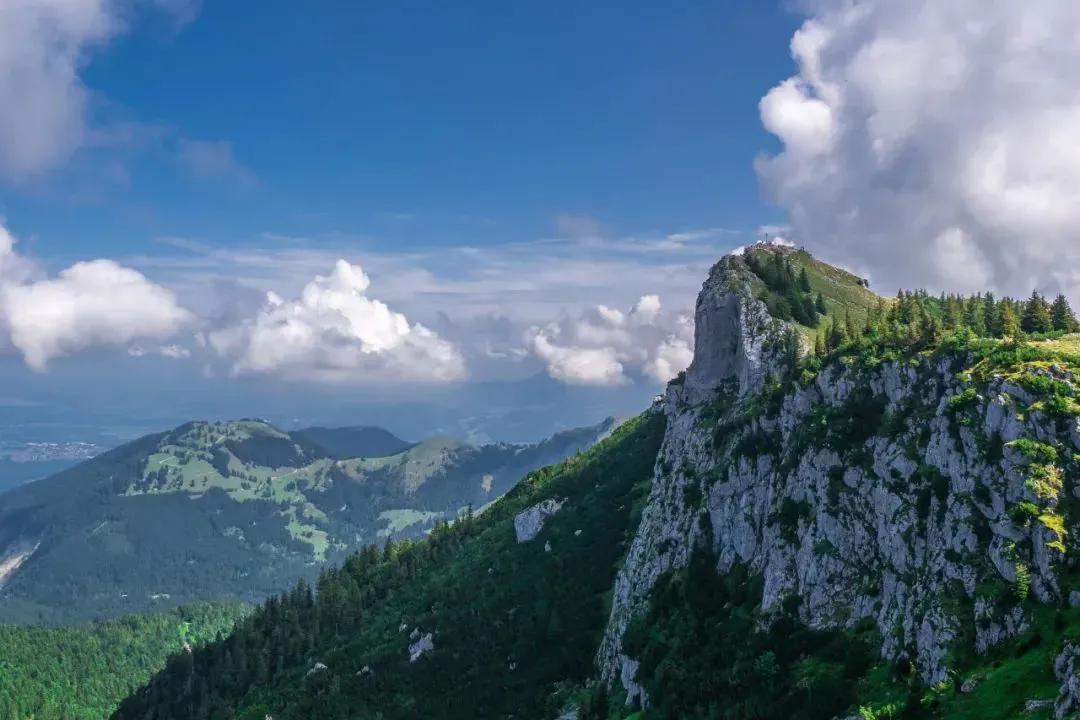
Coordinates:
842	290
83	672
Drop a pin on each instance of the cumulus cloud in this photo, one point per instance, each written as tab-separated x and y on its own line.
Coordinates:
600	346
933	142
335	331
93	303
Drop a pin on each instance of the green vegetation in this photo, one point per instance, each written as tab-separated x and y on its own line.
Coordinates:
508	619
82	673
235	509
796	286
707	652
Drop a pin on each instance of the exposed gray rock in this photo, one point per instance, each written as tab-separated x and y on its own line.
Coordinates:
424	644
734	335
1066	671
529	522
902	536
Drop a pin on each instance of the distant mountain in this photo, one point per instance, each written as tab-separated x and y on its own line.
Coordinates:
350	442
234	510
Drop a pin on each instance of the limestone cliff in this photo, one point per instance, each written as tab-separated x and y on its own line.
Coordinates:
919	492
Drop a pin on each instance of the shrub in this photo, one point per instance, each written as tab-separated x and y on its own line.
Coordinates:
1034	450
1022	512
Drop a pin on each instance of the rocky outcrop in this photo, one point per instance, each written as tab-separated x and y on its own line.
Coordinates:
1067	672
420	645
529	522
892	492
735	338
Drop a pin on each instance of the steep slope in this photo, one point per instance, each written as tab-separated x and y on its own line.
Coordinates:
230	509
479	620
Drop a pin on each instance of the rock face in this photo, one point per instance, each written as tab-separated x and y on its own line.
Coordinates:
735	338
887	492
529	522
1068	674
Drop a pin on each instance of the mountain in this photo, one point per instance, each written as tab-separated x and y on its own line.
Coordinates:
865	511
350	442
233	510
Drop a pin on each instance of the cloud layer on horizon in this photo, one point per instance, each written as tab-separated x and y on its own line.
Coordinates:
933	142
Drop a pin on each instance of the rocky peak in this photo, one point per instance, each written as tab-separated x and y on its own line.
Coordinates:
736	340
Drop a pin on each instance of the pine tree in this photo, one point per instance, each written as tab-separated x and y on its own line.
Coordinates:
952	312
850	331
1062	317
809	311
1008	323
834	337
804	281
1036	316
820	304
974	317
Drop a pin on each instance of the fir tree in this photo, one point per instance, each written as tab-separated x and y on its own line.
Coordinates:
850	331
834	337
1036	316
1062	317
804	281
820	304
1008	323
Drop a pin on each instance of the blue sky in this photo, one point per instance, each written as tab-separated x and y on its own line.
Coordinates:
506	183
418	123
235	208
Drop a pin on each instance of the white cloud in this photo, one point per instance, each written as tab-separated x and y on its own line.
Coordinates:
933	142
93	303
599	346
42	99
333	331
44	102
579	365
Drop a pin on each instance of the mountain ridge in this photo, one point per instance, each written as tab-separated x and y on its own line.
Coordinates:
230	509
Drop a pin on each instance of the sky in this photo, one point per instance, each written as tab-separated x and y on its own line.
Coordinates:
441	217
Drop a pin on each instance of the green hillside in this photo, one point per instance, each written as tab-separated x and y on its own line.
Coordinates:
506	620
82	673
231	509
799	288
